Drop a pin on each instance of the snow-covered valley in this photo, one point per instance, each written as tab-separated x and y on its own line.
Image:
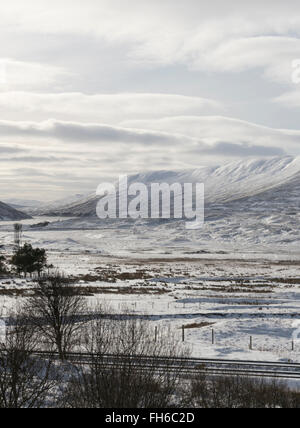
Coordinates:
239	275
237	298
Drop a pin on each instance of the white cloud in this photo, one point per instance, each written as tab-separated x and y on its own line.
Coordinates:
213	129
289	99
186	135
273	54
71	132
219	36
107	108
19	75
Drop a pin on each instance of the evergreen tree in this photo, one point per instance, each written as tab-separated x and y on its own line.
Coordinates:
2	264
28	260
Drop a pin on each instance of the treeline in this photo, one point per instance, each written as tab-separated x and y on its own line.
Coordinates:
26	260
52	320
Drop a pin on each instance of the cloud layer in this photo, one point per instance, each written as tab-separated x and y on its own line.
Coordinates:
214	36
88	91
105	108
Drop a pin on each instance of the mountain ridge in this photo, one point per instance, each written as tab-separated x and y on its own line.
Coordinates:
8	213
223	184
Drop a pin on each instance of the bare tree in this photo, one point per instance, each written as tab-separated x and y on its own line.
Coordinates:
54	311
119	375
25	381
240	392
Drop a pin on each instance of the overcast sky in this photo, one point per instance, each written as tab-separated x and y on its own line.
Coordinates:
92	89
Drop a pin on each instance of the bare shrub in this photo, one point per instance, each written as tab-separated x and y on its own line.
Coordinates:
128	377
54	312
25	381
241	392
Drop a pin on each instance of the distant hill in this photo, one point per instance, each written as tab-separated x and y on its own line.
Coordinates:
7	213
22	204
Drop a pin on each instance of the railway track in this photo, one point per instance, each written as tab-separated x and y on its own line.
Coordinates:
185	366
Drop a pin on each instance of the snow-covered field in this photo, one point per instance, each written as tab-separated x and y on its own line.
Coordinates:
241	235
236	296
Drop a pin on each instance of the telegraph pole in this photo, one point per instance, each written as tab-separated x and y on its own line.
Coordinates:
18	228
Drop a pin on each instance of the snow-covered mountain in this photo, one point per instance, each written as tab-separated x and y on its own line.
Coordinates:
8	213
223	184
60	204
21	204
251	205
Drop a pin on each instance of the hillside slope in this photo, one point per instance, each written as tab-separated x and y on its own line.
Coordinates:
225	184
8	213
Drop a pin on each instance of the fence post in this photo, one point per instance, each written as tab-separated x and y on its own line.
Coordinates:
251	343
293	345
213	336
183	333
156	334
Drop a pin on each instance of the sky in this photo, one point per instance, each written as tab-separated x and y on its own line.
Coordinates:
91	90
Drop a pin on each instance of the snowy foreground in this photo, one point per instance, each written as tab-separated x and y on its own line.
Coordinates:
237	295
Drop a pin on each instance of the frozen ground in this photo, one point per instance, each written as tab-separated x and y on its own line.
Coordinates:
238	296
241	235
